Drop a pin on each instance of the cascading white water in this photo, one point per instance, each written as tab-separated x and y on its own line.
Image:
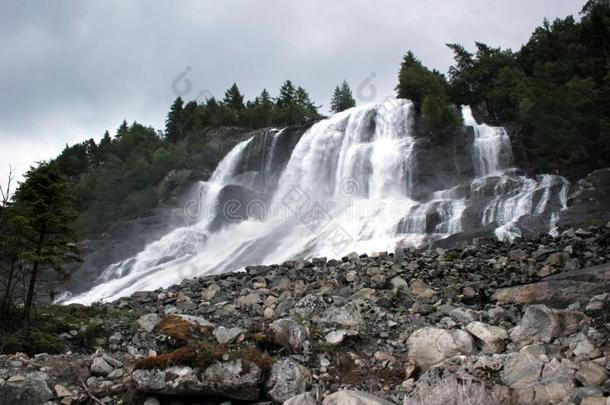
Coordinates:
492	149
348	186
514	196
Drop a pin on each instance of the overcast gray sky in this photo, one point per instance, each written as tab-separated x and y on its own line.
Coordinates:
70	70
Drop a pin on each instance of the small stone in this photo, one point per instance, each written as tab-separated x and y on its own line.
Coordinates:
421	290
225	336
268	313
346	317
306	398
196	320
151	401
16	379
591	374
335	337
493	337
399	284
100	367
469	292
594	306
347	397
384	357
148	322
594	400
410	368
365	294
289	334
116	374
246	302
115	338
463	315
287	379
112	361
210	292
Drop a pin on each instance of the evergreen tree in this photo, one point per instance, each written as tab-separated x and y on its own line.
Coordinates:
234	99
427	90
174	125
122	130
342	98
287	95
308	110
46	211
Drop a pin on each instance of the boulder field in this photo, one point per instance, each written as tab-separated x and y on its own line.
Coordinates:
516	322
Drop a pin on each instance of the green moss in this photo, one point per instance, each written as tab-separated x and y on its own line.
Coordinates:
591	222
10	342
451	256
41	342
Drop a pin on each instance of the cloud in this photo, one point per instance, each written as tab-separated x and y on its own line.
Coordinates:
71	70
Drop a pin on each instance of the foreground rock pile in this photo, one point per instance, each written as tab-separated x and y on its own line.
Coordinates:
491	322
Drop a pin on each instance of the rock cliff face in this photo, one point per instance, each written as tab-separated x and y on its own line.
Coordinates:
490	322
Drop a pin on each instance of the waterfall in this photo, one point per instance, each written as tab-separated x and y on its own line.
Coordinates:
348	185
492	148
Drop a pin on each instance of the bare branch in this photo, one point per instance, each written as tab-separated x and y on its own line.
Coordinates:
5	193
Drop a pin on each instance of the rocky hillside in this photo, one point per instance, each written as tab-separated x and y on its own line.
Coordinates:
521	322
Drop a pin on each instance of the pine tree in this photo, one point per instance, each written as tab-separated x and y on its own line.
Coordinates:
174	125
233	98
122	130
46	211
342	98
287	95
308	109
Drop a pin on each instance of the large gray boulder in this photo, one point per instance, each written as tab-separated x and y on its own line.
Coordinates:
521	370
430	346
559	290
541	324
25	390
228	379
